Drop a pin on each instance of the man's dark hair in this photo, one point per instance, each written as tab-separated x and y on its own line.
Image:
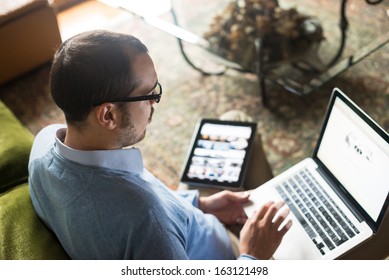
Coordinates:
91	68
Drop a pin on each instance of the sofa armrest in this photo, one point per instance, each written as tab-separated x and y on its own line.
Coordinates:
29	36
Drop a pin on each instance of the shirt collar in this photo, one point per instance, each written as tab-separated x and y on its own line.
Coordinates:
120	159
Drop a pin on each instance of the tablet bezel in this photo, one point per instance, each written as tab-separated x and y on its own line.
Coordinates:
238	185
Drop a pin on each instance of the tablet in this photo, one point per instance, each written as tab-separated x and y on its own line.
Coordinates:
219	154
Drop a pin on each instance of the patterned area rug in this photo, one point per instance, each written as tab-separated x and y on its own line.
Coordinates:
289	126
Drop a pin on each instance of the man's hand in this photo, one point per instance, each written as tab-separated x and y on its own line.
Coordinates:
226	206
260	236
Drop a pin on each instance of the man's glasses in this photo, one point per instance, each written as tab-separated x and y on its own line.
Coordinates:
156	95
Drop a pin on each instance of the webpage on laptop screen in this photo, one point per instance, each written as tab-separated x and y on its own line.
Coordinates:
357	156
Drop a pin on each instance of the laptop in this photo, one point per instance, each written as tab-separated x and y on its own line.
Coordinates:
338	198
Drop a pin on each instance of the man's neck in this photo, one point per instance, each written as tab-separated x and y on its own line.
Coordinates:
87	139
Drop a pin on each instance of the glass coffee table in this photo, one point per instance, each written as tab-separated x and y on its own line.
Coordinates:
300	75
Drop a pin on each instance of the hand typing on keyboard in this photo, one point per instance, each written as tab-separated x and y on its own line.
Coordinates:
261	235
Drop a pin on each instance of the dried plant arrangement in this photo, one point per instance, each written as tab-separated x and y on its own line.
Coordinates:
284	33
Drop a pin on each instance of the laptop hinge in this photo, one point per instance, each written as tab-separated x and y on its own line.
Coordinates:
341	195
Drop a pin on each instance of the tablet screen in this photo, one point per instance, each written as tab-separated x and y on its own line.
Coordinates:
219	154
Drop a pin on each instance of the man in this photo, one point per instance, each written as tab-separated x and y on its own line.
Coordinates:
95	194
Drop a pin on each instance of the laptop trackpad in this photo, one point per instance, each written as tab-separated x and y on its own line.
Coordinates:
296	245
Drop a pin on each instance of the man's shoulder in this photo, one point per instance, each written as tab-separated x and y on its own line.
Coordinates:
44	141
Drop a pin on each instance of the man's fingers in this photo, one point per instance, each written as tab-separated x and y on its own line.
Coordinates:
281	217
261	213
285	228
269	216
237	196
241	220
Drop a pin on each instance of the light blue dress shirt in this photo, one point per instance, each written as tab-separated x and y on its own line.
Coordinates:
105	205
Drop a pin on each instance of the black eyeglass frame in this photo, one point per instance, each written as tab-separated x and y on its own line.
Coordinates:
156	97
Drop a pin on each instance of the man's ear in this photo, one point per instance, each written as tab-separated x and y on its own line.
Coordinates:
107	115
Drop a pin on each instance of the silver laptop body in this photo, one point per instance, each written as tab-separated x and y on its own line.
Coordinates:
339	196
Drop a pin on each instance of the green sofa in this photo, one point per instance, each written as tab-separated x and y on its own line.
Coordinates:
22	234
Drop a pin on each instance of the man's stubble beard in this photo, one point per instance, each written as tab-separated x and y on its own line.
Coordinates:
128	135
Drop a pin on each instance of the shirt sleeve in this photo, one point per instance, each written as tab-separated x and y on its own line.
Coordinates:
246	257
192	196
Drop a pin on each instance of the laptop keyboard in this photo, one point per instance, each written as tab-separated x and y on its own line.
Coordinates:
325	223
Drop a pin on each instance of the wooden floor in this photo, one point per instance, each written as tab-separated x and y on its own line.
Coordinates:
88	15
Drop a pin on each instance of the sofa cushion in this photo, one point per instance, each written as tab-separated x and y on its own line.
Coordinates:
22	234
15	146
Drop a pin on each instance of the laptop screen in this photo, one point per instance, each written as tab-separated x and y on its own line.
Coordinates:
356	151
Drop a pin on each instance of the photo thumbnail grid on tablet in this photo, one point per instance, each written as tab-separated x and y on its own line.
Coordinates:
219	152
